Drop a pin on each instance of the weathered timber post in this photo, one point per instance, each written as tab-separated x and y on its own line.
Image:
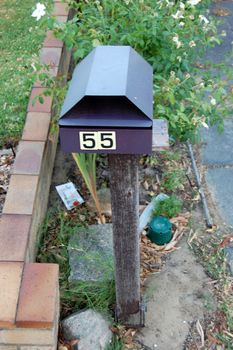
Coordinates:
125	218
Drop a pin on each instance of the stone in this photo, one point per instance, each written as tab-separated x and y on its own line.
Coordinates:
90	328
104	196
229	257
6	152
220	185
91	254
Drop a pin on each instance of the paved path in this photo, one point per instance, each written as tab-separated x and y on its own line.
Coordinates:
217	149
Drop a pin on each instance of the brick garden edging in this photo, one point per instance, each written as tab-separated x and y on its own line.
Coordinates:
29	292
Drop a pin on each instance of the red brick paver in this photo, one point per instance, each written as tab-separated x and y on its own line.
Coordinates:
14	233
37	300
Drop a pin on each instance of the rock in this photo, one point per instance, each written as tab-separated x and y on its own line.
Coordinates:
90	328
104	196
229	257
6	152
91	254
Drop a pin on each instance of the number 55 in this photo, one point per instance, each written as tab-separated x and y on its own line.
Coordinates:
95	140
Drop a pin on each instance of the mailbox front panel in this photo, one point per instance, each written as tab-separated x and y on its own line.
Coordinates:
102	140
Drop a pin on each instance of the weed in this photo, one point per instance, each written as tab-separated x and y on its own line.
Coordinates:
98	295
116	344
216	265
171	155
212	256
227	308
56	232
151	160
168	207
173	180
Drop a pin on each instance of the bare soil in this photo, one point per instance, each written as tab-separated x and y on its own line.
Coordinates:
6	162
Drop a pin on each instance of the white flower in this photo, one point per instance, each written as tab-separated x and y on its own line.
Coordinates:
181	24
192	17
182	5
192	43
179	59
172	74
178	14
213	101
223	33
169	3
193	2
203	19
176	40
204	124
39	11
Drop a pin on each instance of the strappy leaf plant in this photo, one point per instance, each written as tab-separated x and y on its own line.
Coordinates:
86	163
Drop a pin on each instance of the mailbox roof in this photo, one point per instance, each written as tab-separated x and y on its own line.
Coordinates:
112	71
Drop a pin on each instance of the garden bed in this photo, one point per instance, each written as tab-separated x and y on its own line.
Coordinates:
62	224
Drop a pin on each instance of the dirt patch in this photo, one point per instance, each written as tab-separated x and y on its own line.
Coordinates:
178	297
6	162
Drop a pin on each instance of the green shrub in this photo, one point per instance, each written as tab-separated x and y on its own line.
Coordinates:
173	180
170	35
169	207
171	155
116	344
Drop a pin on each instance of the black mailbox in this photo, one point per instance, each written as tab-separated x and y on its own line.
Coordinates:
109	104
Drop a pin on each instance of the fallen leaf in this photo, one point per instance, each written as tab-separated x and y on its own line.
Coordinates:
222	12
201	333
213	339
62	347
170	245
146	185
228	333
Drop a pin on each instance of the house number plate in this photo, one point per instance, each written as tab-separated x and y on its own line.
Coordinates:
97	140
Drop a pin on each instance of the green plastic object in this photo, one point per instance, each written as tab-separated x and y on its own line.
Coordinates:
160	230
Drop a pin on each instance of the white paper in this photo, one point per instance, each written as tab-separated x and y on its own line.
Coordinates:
69	195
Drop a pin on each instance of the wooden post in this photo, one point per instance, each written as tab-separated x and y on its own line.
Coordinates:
125	219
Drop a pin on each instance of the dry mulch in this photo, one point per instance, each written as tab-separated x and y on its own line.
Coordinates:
6	162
